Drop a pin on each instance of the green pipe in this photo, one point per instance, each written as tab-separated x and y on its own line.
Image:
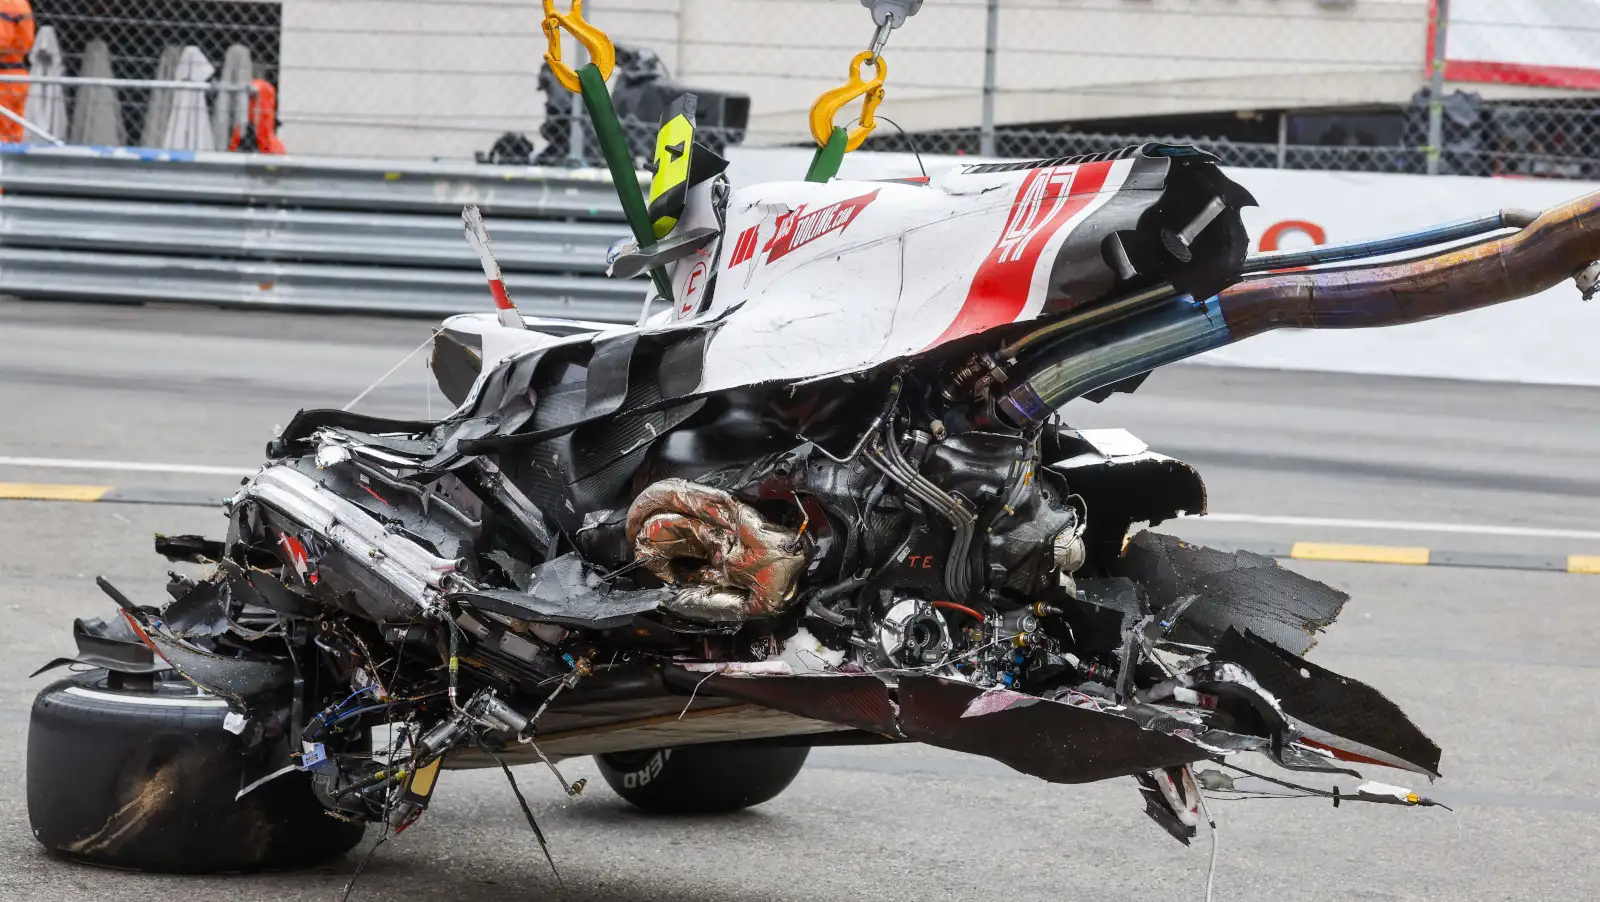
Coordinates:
826	161
619	159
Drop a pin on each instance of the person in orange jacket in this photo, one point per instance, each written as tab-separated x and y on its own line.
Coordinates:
260	134
16	39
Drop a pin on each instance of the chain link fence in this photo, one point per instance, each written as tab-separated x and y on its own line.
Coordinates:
1476	87
134	42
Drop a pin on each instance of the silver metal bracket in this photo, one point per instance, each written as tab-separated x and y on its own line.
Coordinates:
888	15
1588	280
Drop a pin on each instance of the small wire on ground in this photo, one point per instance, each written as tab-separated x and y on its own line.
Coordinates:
1211	870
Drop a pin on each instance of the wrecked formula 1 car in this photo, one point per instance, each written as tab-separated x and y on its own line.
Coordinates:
823	498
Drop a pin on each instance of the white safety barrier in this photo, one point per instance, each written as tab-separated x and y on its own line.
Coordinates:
1549	338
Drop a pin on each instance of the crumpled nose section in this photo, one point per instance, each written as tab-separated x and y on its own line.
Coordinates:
733	564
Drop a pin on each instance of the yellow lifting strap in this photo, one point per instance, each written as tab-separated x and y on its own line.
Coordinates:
601	51
830	102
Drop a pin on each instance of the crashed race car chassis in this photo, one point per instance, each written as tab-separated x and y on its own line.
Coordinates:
621	542
767	697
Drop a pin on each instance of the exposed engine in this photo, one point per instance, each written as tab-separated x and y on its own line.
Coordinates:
948	553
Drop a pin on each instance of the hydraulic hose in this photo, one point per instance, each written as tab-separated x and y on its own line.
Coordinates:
817	604
1443	233
1555	246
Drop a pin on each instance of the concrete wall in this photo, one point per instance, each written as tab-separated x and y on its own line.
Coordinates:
405	78
1096	58
446	77
431	78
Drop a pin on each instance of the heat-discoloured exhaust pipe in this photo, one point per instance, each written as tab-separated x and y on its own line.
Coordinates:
1557	245
1562	241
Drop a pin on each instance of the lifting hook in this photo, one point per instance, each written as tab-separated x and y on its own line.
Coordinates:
831	101
601	51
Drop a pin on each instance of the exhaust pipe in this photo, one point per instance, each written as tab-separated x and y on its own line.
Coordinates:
1558	245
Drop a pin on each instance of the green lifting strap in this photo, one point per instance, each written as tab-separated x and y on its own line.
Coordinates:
825	163
619	159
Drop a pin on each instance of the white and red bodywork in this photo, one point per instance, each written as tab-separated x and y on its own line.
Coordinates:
819	279
810	280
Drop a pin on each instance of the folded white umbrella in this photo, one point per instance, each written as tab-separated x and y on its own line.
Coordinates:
47	104
159	108
189	128
233	107
96	109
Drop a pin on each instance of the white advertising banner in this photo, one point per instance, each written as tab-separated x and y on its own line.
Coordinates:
1550	43
1552	338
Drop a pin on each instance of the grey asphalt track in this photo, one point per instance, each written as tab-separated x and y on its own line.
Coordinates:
1502	668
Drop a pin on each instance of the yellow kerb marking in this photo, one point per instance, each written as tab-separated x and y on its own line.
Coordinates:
32	491
1583	563
1358	554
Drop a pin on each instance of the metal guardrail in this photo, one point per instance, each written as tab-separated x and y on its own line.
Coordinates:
348	235
70	275
313	183
269	234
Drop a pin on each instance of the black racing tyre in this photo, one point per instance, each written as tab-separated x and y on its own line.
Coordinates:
715	778
144	777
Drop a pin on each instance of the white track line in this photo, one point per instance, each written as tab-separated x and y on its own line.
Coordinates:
125	465
1403	526
1263	519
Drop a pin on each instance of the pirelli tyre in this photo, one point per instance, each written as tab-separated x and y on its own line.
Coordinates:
715	778
144	777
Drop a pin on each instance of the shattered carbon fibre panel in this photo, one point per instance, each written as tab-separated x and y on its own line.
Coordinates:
1348	710
262	588
1124	482
456	360
563	591
1167	801
730	723
724	722
857	700
597	611
200	612
242	681
1055	741
1241	590
111	643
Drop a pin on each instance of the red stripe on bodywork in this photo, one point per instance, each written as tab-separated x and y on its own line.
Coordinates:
497	290
1343	755
142	635
745	247
1000	288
